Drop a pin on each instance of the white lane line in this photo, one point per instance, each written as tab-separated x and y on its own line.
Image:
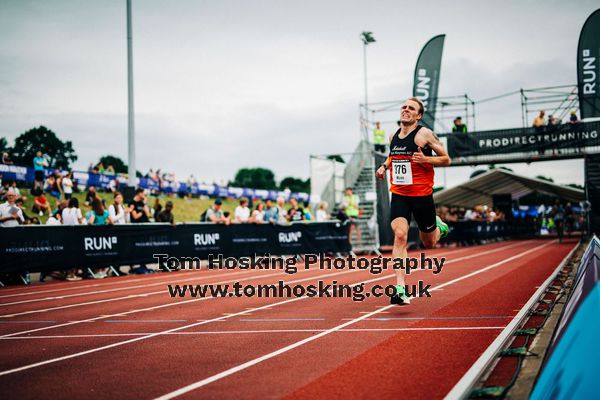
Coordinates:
62	286
192	300
167	282
292	346
245	312
75	286
446	328
121	314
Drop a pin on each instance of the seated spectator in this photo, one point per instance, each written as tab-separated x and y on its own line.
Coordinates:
6	159
51	186
242	212
166	215
157	208
322	214
91	195
54	219
281	211
116	212
20	202
271	212
72	214
258	215
10	214
41	205
295	213
13	186
99	215
215	215
307	213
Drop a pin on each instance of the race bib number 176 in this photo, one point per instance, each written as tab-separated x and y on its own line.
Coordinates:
401	172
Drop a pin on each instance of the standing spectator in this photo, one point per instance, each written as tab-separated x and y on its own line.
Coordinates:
379	138
258	215
322	215
6	159
573	120
139	211
110	170
215	215
67	185
39	165
242	212
459	127
271	212
351	202
539	122
116	212
295	213
166	215
10	214
41	204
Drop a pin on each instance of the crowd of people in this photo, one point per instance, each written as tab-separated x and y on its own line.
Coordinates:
478	213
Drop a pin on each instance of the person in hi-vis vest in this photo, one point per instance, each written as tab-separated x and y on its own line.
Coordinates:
379	138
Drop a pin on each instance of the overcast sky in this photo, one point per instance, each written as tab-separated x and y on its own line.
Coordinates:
221	85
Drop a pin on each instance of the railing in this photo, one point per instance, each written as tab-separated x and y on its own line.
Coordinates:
362	157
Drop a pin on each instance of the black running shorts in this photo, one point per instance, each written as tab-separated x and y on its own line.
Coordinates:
421	207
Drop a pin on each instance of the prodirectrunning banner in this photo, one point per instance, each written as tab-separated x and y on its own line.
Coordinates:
37	248
523	140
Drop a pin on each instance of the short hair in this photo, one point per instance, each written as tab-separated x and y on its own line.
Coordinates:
139	190
420	102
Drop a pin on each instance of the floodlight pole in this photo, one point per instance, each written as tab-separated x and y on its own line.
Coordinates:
131	181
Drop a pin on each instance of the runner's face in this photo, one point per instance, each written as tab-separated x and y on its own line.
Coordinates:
409	112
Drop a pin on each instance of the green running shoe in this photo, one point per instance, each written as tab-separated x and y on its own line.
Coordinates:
400	298
443	227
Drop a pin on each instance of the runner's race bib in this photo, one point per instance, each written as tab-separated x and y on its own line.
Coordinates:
401	172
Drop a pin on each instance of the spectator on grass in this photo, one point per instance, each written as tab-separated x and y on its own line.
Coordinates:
295	213
271	212
91	195
6	159
215	214
139	211
322	215
13	186
166	215
258	215
41	205
116	211
10	214
72	214
39	165
20	203
242	212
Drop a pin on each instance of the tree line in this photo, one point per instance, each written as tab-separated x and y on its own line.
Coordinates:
61	155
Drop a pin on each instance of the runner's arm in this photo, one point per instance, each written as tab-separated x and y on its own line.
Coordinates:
441	159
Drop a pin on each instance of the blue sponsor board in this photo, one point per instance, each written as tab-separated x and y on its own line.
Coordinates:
570	368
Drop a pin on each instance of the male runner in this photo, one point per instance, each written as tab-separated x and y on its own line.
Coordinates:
411	163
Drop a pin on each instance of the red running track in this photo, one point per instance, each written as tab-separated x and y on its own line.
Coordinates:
126	338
